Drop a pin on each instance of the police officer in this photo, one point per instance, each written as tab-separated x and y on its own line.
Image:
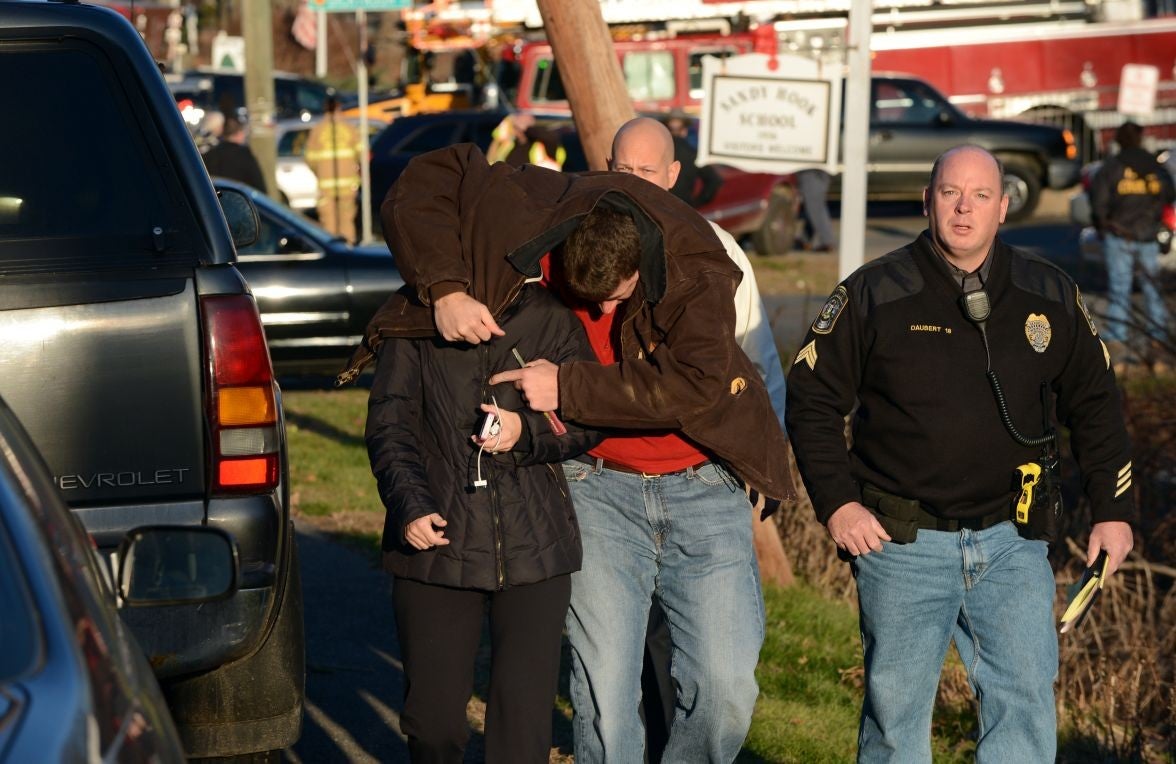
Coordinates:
1128	196
924	501
333	151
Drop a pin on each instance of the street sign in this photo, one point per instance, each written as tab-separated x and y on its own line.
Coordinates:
1137	89
228	52
764	119
350	6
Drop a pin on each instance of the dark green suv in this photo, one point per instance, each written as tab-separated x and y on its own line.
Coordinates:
911	123
132	351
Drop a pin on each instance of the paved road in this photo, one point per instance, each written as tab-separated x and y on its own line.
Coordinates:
354	680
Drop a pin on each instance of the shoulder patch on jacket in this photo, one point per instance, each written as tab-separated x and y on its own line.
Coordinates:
831	310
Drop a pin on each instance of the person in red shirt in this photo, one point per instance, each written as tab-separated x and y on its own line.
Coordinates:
660	509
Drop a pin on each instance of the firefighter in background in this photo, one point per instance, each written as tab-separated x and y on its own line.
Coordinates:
518	141
333	151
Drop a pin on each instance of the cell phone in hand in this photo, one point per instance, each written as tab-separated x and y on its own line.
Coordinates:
488	426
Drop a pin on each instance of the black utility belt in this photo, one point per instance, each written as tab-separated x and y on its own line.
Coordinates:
1036	510
903	518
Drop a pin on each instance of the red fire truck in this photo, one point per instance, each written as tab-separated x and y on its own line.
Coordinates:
1066	72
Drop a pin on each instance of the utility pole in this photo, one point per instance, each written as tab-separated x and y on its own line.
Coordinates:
855	139
590	72
257	22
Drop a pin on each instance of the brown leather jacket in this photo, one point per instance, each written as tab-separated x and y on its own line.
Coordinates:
452	221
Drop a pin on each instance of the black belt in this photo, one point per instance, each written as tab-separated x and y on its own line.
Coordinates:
599	463
970	523
900	516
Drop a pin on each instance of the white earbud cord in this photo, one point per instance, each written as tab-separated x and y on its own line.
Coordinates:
481	482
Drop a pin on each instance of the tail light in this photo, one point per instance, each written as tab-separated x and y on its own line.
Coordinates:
241	403
1168	218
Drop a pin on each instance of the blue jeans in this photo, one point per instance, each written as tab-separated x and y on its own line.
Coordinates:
685	538
1121	255
992	592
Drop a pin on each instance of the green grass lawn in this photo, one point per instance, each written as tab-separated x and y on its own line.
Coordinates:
810	665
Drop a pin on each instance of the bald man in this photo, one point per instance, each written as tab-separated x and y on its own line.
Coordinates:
645	147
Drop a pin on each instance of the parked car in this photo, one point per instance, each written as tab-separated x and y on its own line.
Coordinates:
297	184
316	293
133	353
911	123
416	134
761	205
74	685
199	91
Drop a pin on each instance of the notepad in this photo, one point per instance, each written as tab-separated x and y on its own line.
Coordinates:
1085	593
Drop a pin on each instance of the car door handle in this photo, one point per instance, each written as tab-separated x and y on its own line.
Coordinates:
880	137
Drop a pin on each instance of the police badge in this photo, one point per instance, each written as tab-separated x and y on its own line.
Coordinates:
1038	331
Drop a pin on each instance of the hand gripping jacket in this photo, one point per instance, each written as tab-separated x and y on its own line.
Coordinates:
452	221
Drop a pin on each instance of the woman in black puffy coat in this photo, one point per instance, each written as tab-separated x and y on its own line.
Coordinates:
474	523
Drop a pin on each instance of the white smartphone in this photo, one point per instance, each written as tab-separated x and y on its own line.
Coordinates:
488	426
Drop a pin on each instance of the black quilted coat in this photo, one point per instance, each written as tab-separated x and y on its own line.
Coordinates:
424	405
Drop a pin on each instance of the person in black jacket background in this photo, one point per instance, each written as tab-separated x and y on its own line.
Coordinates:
231	158
474	522
1128	195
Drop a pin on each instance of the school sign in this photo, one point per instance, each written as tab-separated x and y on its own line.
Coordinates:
762	118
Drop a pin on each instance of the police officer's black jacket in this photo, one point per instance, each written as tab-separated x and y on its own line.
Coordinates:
423	408
1128	195
894	338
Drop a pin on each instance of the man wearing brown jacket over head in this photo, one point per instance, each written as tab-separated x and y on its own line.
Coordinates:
658	507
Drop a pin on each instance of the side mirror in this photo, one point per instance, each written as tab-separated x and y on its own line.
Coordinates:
241	216
176	565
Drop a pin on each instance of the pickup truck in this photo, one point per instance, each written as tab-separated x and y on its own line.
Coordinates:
132	352
911	123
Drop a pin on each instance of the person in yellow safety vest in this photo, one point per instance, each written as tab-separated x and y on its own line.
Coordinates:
333	151
517	141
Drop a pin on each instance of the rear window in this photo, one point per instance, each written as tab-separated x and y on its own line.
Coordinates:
76	161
